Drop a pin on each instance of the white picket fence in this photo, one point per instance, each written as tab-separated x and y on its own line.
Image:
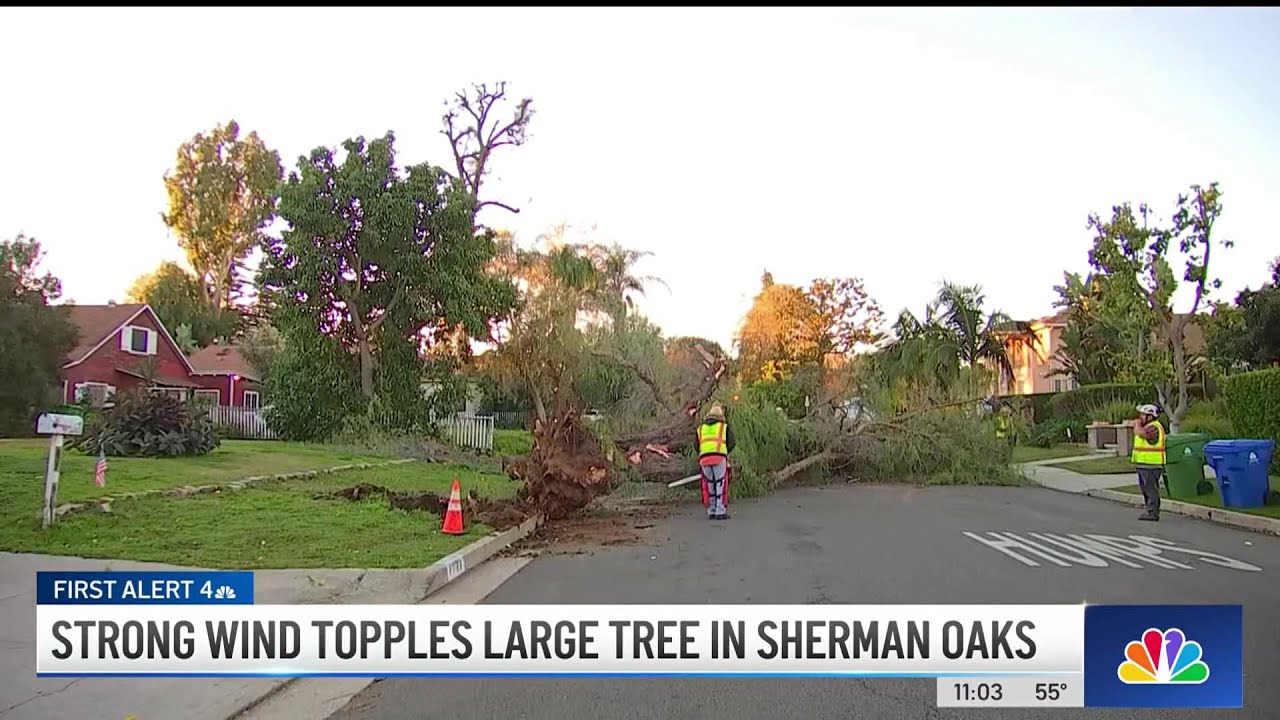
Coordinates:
248	423
469	431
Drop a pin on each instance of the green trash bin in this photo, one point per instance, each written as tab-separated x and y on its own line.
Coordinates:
1184	465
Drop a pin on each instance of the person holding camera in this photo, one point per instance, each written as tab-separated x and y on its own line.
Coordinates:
1149	458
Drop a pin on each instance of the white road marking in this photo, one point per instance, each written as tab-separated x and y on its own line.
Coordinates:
1099	551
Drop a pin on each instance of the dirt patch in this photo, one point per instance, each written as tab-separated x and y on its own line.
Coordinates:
499	514
636	525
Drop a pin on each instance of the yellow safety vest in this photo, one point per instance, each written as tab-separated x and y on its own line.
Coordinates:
1147	453
711	439
1002	426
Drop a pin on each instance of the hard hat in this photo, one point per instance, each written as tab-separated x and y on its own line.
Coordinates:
716	412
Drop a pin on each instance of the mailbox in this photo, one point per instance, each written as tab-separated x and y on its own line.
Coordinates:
54	424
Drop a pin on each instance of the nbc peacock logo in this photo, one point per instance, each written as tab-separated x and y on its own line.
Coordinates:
1163	657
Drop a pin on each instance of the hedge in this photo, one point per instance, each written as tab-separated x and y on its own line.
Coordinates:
1080	402
1253	402
1077	403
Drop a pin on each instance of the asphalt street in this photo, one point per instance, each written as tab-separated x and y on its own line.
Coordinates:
867	544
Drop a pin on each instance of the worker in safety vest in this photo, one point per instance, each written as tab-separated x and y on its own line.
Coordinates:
715	442
1148	457
1004	429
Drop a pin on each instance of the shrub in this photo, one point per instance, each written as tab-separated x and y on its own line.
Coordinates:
1209	417
1057	430
1038	402
1253	404
1116	411
150	425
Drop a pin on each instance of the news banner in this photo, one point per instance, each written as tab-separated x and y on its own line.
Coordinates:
206	624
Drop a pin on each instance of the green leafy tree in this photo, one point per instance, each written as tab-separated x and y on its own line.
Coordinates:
259	345
1258	343
374	255
845	316
222	193
777	334
176	297
540	345
1134	256
35	335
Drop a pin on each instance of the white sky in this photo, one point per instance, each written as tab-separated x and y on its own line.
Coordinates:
902	147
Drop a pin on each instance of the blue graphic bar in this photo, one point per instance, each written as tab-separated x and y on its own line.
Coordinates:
1164	656
144	588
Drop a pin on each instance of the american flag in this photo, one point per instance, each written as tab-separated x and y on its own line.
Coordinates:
100	475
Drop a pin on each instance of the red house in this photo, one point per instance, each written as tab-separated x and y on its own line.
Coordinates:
123	347
225	377
120	347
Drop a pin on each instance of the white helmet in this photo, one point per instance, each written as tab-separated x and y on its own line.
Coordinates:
1149	409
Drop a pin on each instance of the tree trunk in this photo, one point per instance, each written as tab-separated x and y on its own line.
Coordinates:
366	360
538	406
1176	335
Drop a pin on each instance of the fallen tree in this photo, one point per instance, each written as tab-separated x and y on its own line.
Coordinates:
659	451
937	442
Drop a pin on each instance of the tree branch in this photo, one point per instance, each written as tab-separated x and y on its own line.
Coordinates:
502	205
644	377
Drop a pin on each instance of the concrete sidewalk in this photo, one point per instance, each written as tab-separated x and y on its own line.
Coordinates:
1041	473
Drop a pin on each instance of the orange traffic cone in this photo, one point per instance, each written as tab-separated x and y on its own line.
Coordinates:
453	515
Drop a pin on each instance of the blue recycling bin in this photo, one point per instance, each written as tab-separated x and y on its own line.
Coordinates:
1241	467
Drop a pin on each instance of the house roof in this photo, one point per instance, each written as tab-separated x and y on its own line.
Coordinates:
222	360
1059	318
96	323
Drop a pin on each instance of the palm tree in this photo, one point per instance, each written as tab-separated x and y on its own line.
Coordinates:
618	284
980	340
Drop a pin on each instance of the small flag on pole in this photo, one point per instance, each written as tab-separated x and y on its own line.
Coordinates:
100	476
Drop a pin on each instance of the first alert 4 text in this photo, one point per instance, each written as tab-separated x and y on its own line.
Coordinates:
536	639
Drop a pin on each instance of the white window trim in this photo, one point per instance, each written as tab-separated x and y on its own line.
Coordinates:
205	392
257	399
126	339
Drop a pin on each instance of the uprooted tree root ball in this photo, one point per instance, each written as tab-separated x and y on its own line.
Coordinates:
562	475
565	470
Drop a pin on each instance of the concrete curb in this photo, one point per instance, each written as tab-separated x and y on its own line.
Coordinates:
438	575
1240	520
104	503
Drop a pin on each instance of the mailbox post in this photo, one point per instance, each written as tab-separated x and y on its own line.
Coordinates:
56	427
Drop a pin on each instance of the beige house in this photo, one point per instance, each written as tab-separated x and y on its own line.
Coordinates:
1035	370
1040	371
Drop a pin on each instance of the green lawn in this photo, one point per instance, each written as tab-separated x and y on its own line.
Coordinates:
1215	500
1098	466
278	524
512	442
1030	453
22	464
